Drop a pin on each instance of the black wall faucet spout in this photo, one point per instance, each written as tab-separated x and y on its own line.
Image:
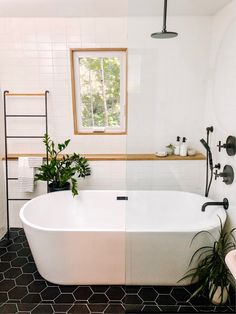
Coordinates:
225	204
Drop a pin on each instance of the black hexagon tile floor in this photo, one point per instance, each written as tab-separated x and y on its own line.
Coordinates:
23	290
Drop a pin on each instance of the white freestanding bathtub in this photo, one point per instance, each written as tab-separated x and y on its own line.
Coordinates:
94	238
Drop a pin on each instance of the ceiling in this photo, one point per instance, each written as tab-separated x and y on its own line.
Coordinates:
106	8
176	7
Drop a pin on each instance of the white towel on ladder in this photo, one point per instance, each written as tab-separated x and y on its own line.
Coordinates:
35	162
25	175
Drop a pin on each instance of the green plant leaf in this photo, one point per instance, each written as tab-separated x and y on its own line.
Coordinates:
210	269
59	171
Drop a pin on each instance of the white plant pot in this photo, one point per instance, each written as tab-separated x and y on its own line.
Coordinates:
169	151
218	298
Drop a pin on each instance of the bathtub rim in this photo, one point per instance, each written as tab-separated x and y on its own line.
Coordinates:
25	221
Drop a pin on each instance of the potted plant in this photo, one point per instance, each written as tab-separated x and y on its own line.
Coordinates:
213	276
170	149
62	170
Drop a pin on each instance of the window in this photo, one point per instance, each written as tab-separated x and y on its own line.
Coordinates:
99	90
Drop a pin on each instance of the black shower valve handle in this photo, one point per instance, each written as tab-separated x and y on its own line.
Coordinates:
220	174
227	174
217	166
221	146
223	175
230	145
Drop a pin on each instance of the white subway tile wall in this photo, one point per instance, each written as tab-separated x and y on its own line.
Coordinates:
34	56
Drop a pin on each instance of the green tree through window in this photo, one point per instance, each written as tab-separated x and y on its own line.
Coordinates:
100	91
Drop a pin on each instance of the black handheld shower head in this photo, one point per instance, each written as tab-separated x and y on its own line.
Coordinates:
204	143
209	161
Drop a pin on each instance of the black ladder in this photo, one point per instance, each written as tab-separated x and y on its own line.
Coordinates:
7	94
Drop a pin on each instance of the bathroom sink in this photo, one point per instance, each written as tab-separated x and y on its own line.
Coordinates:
230	260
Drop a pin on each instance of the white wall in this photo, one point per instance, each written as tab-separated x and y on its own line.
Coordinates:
34	56
167	81
167	78
167	93
221	103
167	90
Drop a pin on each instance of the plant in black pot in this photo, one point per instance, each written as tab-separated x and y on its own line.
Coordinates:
211	272
61	170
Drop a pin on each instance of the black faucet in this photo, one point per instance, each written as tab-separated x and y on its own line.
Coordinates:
225	204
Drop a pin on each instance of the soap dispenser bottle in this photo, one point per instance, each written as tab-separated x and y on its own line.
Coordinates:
177	146
183	148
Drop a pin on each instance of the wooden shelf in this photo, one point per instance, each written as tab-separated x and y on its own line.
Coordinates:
130	157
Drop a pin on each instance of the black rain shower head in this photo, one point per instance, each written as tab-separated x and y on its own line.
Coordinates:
164	34
204	143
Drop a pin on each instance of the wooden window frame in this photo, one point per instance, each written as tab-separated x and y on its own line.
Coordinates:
75	105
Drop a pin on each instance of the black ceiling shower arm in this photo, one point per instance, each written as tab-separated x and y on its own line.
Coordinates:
164	33
164	16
